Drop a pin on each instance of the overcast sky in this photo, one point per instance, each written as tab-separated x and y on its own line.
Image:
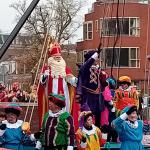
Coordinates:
7	15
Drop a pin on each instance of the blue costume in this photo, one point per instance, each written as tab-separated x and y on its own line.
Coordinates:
130	134
13	137
12	130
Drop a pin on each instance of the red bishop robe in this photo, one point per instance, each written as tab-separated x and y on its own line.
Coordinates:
54	85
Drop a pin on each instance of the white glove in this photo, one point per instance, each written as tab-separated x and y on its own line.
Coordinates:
46	73
113	109
95	56
32	138
110	103
2	132
38	145
69	147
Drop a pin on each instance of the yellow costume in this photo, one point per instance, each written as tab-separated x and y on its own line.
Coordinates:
93	138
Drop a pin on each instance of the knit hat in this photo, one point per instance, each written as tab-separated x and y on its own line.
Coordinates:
84	114
89	55
57	99
13	108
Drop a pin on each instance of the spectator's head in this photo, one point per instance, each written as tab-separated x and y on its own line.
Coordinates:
56	102
2	86
15	86
12	112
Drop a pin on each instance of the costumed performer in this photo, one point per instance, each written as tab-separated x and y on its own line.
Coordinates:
109	111
56	78
130	129
57	129
91	84
12	134
88	136
125	95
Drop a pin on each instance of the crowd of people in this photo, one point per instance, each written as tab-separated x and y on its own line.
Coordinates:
77	111
16	94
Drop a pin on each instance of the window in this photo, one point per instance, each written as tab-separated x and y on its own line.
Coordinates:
80	57
88	30
127	26
129	57
96	25
143	1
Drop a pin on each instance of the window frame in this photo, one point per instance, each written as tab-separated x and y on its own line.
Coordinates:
137	28
87	31
129	49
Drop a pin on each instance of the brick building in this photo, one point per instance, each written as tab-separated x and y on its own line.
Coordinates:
132	45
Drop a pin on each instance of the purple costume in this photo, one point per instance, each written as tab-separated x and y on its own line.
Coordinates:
90	85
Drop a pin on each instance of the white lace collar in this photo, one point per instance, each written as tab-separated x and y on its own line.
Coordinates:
132	125
56	114
14	125
89	132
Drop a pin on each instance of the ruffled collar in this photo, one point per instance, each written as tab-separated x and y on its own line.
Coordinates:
89	132
14	125
56	114
132	125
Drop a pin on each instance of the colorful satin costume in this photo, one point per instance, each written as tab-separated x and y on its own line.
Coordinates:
124	98
57	131
130	134
13	136
93	138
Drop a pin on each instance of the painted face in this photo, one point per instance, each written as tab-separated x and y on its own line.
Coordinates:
124	86
89	121
11	118
133	116
53	107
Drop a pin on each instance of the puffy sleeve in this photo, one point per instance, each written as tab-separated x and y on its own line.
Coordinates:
118	122
70	131
107	94
87	65
78	140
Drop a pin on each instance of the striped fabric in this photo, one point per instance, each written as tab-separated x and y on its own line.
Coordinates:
124	98
58	131
56	86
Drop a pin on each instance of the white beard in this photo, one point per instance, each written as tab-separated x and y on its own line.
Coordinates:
58	68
